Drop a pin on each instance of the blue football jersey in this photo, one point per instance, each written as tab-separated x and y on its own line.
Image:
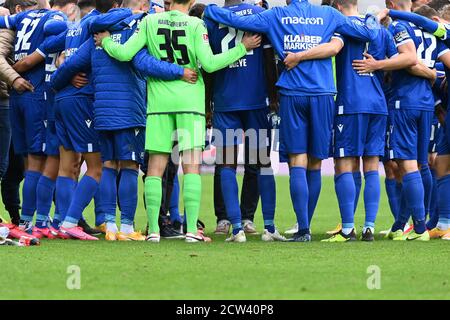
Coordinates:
386	77
446	94
50	49
361	93
246	73
33	26
408	91
77	34
299	27
440	95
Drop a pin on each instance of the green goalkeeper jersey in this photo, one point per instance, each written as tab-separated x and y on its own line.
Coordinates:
178	38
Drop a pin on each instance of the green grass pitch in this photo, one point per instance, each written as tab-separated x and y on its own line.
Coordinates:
255	270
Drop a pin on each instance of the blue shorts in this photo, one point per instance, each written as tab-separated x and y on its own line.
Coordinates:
306	125
27	124
436	130
125	144
409	134
51	146
75	125
254	123
357	135
443	146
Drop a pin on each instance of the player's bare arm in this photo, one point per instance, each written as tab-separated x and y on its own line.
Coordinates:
406	58
28	62
421	70
323	51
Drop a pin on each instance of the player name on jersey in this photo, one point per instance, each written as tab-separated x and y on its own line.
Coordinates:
19	56
238	64
173	24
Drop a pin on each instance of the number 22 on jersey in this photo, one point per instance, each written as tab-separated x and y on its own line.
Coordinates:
233	35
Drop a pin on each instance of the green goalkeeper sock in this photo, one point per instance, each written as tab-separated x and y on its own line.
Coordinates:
153	195
192	193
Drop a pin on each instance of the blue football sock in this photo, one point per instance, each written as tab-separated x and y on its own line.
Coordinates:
443	187
84	192
314	179
174	202
99	213
44	194
65	187
403	214
267	190
414	199
427	181
433	215
230	194
128	191
29	195
345	188
394	192
108	190
299	194
56	222
56	215
372	195
358	183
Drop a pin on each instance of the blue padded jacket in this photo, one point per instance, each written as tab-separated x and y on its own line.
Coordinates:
120	88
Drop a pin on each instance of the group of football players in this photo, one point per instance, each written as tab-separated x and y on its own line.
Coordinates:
128	85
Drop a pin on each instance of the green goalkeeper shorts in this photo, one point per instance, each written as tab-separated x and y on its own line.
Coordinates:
163	130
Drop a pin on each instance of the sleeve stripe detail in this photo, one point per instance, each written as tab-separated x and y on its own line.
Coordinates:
443	52
339	38
41	53
267	46
403	42
7	22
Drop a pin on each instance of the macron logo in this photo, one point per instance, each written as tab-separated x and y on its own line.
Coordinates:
88	123
302	20
340	127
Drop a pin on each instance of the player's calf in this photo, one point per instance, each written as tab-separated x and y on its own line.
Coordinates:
45	192
33	173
